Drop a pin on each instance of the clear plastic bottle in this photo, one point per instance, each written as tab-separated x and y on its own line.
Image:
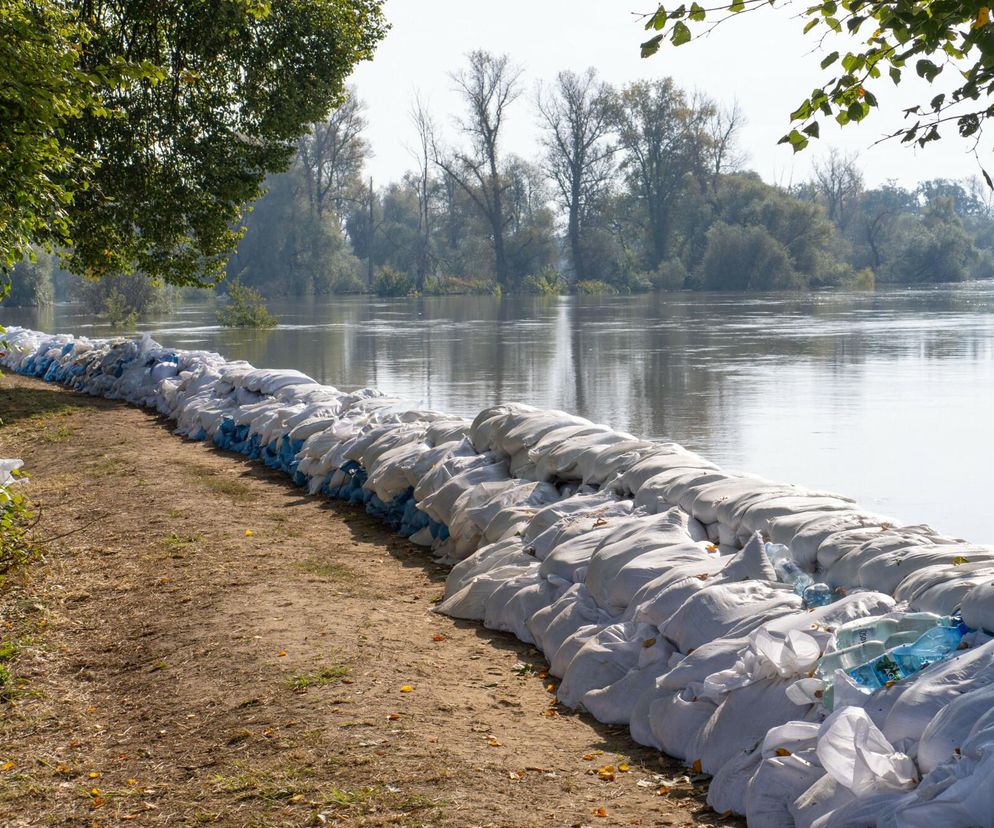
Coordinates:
899	662
882	629
849	658
788	571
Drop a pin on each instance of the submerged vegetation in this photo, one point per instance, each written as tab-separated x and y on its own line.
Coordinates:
245	308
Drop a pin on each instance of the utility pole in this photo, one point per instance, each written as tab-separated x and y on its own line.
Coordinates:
369	242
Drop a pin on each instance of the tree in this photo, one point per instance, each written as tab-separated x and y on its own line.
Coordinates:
838	182
331	157
422	183
164	120
746	258
661	147
576	116
488	87
929	36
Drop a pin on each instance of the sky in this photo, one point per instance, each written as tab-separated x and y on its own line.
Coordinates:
760	60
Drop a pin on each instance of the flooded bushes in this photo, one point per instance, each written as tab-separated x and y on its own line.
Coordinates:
245	308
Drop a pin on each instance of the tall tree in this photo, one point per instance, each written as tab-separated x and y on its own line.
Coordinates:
166	118
488	87
661	141
421	180
576	117
839	182
332	155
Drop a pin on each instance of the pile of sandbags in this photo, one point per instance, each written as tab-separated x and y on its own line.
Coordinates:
825	664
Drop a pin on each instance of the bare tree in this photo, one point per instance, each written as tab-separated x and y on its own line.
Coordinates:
576	121
421	181
331	156
839	182
722	126
488	87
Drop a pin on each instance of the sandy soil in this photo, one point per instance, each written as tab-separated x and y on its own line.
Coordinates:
201	644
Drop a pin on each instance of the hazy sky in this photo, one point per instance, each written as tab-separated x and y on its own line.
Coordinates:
760	60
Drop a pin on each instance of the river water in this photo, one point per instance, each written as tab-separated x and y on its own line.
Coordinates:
887	397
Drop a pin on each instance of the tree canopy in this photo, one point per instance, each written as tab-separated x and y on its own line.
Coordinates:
890	38
133	134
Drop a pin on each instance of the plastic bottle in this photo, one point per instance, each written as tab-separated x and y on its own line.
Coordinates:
817	595
788	571
881	629
900	662
849	658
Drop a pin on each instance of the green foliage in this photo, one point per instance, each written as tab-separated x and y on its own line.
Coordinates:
594	287
547	282
121	298
245	308
746	258
390	282
15	518
31	282
892	37
670	275
101	107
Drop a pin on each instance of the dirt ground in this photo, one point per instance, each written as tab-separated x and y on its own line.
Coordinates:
202	644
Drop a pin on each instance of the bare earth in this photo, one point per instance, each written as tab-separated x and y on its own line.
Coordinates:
202	644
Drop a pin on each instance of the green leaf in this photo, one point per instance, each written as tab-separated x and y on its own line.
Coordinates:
829	60
697	13
651	46
681	34
810	25
658	20
812	129
895	74
802	112
737	6
926	69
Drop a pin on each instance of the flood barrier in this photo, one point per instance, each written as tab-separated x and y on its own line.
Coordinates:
828	666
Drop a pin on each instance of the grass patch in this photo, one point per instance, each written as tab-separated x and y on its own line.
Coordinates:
57	435
326	675
219	483
180	546
106	466
328	569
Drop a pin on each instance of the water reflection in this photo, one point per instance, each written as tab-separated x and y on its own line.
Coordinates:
884	396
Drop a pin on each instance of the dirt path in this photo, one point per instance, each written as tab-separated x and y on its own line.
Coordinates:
205	645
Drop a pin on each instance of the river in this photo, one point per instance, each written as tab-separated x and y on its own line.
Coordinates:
887	397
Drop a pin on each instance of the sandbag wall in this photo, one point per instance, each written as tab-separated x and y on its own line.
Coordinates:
646	576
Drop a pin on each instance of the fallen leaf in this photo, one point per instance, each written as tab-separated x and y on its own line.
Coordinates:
94	774
550	688
493	742
783	752
606	772
663	790
648	643
696	767
132	781
624	767
599	812
249	533
438	637
550	713
98	802
514	775
393	717
406	688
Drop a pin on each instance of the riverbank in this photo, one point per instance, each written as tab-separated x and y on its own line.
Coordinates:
172	669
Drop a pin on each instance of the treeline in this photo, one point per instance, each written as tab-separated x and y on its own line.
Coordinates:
630	189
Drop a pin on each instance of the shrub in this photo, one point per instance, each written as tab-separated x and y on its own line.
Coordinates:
245	308
392	282
594	287
547	282
15	518
745	258
670	275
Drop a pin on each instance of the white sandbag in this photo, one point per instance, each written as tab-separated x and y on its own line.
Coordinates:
857	755
978	607
951	726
